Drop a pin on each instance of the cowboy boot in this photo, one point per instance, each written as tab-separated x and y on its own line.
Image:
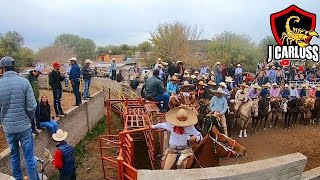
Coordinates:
245	133
240	135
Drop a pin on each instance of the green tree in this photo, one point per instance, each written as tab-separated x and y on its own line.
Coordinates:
228	47
10	43
263	46
25	57
171	42
145	46
84	48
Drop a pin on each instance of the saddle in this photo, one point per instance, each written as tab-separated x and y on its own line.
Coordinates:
176	157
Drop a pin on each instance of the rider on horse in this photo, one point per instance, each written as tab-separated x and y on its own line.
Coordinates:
240	96
293	92
253	93
219	106
180	123
275	91
223	86
285	92
265	93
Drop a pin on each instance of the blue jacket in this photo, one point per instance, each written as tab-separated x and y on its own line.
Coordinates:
303	93
264	93
75	73
219	104
68	159
17	103
172	88
286	93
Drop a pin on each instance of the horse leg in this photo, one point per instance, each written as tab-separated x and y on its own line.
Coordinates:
276	120
265	122
271	120
241	128
252	125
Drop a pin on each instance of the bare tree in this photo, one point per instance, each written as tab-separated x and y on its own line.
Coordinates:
54	52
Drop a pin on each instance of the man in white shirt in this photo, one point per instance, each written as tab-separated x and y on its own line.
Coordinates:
240	96
156	66
203	70
238	74
293	92
180	123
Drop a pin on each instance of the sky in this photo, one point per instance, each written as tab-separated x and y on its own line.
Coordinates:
131	21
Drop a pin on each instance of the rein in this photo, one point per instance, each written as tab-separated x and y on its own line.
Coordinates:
224	146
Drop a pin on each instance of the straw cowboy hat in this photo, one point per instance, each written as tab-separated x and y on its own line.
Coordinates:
286	85
238	65
186	72
59	135
229	79
223	84
279	68
186	84
305	86
131	78
196	72
179	62
174	78
193	76
244	85
268	85
73	59
165	63
313	86
275	84
273	67
113	59
219	91
181	117
88	61
256	86
159	59
218	63
212	83
201	83
186	75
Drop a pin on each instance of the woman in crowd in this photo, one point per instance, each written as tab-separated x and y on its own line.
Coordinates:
45	116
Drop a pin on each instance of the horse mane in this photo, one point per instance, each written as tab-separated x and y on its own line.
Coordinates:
210	122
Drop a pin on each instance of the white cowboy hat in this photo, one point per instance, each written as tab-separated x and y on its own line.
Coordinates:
286	85
165	63
220	91
131	78
87	61
73	59
193	76
59	135
212	83
274	84
266	85
256	86
181	117
113	59
186	84
218	63
159	59
223	84
179	62
196	72
229	79
279	68
238	65
244	85
313	86
273	67
174	78
186	72
186	76
202	83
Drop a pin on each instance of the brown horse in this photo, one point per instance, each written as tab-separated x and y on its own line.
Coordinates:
174	101
214	146
306	109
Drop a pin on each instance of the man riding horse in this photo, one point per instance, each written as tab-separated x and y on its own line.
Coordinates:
240	97
180	123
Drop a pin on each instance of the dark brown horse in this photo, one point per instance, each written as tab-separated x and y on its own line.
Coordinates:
214	146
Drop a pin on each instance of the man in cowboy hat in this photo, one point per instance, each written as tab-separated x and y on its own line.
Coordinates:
154	89
285	92
293	92
55	79
218	72
87	75
272	75
223	86
185	88
64	159
229	82
156	66
172	86
179	68
180	123
18	105
275	91
253	93
265	93
74	77
203	70
279	75
201	89
303	91
238	74
113	69
219	106
240	96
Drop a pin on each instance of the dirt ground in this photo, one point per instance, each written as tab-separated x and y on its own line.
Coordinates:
68	100
263	145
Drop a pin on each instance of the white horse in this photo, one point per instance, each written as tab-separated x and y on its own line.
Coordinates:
246	112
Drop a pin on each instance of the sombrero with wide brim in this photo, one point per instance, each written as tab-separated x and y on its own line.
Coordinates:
201	83
182	117
186	84
223	84
266	85
229	79
59	135
193	76
256	86
212	83
244	85
219	91
174	78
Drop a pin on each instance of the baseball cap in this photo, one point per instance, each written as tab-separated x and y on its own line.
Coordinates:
39	69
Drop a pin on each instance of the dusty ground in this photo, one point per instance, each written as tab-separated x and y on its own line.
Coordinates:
68	100
263	145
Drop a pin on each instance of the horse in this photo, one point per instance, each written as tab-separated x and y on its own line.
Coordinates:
308	106
275	105
246	112
213	146
174	101
316	110
263	114
203	110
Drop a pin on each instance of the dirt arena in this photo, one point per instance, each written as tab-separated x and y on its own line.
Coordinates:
263	145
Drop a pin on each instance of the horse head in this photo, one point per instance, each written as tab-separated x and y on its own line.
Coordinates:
174	101
255	108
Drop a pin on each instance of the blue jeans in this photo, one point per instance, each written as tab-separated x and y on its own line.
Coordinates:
26	140
35	120
86	91
218	79
57	94
75	88
165	98
51	125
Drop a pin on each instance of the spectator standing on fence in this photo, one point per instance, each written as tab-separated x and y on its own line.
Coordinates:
33	80
113	68
18	106
64	159
156	66
87	74
238	74
55	80
45	119
231	71
74	77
